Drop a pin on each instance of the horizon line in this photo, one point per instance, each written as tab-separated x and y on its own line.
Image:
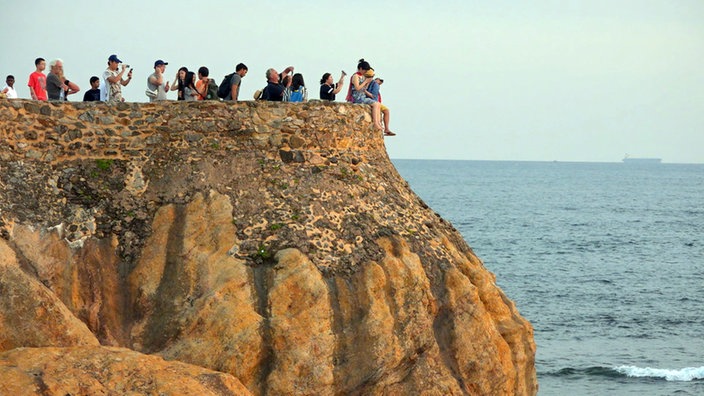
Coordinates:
543	161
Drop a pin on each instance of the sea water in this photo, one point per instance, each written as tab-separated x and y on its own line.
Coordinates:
606	260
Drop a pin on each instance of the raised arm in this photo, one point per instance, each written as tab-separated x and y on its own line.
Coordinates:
339	85
118	77
157	79
129	78
174	85
357	85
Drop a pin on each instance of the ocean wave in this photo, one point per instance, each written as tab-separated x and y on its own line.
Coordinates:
684	374
589	371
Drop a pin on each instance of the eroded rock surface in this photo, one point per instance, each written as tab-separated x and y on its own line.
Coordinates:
274	243
84	371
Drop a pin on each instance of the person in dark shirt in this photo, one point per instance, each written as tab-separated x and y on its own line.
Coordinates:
93	94
274	90
328	89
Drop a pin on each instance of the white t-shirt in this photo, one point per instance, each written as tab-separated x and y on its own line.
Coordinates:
11	93
110	92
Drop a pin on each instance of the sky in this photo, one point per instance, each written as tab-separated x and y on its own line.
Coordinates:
532	80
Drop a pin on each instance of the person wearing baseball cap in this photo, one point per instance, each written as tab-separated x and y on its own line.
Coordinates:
111	89
157	85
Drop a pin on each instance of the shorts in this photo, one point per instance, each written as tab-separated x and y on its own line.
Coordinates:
364	100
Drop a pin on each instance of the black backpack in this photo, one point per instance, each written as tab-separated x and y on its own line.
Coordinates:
225	87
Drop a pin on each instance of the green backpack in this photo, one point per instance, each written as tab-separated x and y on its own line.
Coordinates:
212	93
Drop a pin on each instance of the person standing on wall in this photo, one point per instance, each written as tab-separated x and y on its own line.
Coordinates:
157	83
203	82
93	94
328	89
296	91
37	81
57	86
9	89
111	90
236	81
274	90
180	82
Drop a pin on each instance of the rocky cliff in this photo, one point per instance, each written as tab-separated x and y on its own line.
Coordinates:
219	248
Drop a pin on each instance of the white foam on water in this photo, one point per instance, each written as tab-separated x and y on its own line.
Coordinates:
684	374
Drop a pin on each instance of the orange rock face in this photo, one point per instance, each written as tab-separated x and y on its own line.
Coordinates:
274	244
84	371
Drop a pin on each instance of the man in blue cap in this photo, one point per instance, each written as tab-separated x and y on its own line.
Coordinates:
157	85
111	90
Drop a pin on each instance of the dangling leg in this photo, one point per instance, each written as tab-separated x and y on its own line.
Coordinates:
376	115
387	116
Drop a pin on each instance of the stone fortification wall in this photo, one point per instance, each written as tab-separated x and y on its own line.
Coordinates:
60	131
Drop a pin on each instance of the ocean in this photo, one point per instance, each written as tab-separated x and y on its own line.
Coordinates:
606	260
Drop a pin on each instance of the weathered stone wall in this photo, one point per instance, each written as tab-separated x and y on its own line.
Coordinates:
274	242
56	131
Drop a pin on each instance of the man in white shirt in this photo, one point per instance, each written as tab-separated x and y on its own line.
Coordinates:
111	87
9	89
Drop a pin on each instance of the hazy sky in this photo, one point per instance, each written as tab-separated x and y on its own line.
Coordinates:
562	80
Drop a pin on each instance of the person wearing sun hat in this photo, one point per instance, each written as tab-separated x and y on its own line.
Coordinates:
373	92
111	89
156	83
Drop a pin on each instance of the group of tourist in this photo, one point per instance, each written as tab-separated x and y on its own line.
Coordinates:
285	86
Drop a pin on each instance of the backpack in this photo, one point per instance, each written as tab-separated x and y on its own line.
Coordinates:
225	86
213	91
297	95
263	94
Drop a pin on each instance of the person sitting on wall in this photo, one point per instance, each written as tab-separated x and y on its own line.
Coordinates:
357	92
373	92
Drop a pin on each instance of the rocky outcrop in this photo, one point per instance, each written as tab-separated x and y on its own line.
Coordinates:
106	371
275	243
31	315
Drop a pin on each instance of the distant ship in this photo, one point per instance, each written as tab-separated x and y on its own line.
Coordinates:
630	160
